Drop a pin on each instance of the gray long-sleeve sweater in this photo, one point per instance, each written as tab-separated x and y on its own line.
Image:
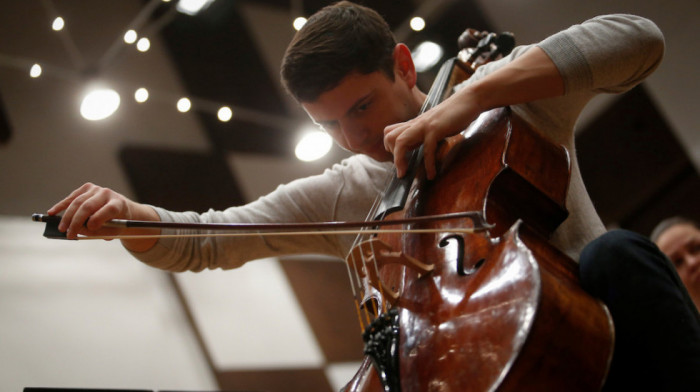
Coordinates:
607	54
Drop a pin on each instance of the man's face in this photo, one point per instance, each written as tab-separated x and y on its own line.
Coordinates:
681	243
356	111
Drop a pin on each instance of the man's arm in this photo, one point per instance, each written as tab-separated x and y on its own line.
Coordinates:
606	54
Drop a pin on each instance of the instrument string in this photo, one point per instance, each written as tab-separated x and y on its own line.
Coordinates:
274	233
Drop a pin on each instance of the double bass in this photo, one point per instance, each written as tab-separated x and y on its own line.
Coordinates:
492	308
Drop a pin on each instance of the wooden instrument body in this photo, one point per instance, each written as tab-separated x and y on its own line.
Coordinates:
501	310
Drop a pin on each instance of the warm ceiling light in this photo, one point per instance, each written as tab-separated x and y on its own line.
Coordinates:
417	23
224	114
99	104
35	71
299	23
314	145
426	55
141	95
58	24
192	7
143	44
130	37
184	105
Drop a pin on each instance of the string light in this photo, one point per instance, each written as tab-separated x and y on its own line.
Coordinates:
299	23
184	105
192	7
130	37
35	71
417	23
101	103
143	44
141	95
224	114
58	24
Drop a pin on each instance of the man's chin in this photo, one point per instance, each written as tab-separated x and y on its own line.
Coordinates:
378	153
381	156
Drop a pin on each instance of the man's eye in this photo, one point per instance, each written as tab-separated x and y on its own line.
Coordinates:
363	107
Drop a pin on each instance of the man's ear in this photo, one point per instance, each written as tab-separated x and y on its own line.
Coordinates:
403	65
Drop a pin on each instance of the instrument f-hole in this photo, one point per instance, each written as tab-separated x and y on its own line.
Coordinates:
457	252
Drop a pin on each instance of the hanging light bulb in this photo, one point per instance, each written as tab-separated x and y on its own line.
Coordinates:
35	71
417	23
299	23
192	7
224	114
426	55
99	104
143	44
184	105
130	36
141	95
313	145
58	24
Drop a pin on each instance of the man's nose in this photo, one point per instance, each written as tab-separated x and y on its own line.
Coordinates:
353	134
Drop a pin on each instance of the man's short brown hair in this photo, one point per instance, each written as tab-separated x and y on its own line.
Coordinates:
337	40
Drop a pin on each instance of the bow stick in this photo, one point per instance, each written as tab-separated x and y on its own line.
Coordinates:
247	229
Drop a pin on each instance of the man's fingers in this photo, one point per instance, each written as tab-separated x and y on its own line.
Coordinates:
82	208
391	133
401	163
107	211
63	204
402	140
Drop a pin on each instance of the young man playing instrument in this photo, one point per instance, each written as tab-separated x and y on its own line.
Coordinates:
345	69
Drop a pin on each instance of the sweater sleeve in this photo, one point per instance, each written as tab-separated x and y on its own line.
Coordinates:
605	54
342	193
610	53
